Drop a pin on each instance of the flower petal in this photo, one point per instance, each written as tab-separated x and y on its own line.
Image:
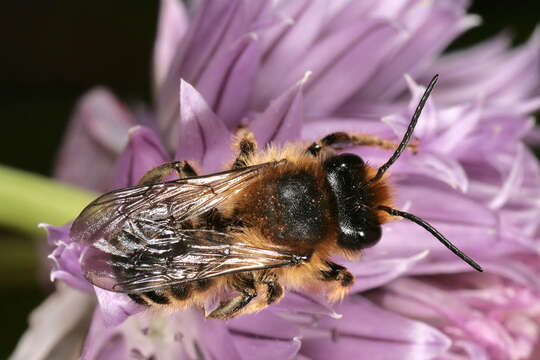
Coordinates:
476	72
470	225
282	120
304	304
334	62
380	334
461	64
216	25
286	44
465	120
95	138
276	327
142	153
440	167
513	180
370	272
116	307
342	14
61	318
262	349
221	345
277	339
172	26
203	137
496	133
104	343
65	257
419	299
316	128
432	26
227	81
156	335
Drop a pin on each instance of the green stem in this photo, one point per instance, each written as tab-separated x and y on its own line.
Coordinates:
27	199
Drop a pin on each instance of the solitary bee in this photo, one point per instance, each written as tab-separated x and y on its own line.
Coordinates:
239	236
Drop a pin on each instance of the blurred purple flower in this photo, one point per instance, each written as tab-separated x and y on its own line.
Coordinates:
298	70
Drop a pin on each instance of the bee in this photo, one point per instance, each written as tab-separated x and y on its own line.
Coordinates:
237	237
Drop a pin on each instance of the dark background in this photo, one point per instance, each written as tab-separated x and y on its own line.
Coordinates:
54	51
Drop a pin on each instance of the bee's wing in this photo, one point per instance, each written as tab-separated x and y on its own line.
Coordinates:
189	255
132	242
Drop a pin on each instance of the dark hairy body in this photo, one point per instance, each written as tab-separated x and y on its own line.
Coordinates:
273	221
283	206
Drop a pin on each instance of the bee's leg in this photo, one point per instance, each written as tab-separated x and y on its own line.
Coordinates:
246	145
272	289
273	292
160	172
340	277
269	290
243	283
338	273
339	139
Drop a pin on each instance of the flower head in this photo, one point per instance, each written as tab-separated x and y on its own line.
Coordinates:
296	71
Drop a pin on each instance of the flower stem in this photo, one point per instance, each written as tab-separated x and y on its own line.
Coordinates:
28	199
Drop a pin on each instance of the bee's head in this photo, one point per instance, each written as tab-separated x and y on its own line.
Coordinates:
362	196
357	200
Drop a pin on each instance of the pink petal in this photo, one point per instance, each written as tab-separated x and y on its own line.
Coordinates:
440	167
60	319
481	77
216	25
304	304
480	327
435	26
523	64
450	140
142	153
335	63
317	128
227	81
372	272
95	138
172	26
262	349
513	180
104	343
277	339
203	137
65	256
115	307
221	345
342	14
283	118
294	40
461	64
533	137
157	335
372	333
494	134
471	226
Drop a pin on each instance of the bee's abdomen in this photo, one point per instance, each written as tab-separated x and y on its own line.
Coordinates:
171	295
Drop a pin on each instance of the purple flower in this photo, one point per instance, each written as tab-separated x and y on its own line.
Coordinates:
296	71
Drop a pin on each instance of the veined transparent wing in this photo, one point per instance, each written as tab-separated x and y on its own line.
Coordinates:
135	239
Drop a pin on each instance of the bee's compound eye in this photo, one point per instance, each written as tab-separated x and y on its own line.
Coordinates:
359	236
370	236
344	163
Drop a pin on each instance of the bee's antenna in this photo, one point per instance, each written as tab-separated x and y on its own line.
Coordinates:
408	133
433	232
